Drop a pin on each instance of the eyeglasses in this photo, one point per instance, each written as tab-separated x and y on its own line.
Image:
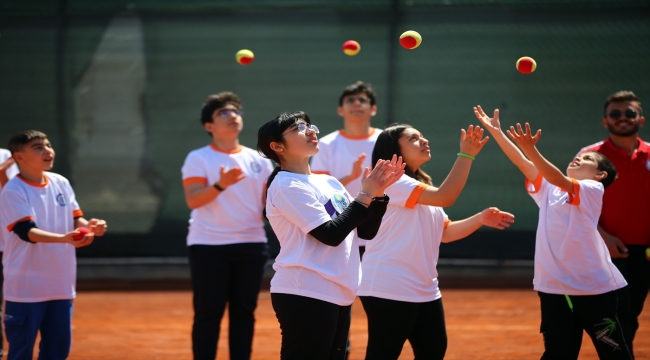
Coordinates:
361	100
226	113
616	114
303	127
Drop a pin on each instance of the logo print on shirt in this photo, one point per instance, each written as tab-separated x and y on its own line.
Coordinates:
336	205
61	200
647	165
255	167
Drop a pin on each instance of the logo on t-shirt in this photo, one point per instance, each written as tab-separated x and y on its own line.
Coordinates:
647	165
255	167
61	200
336	205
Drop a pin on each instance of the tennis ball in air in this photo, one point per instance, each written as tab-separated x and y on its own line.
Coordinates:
244	56
410	39
351	47
82	232
526	65
647	253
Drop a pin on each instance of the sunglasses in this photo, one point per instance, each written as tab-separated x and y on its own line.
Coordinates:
226	113
303	127
616	114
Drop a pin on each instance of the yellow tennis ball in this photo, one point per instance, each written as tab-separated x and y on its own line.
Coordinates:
647	253
410	39
351	47
526	65
244	56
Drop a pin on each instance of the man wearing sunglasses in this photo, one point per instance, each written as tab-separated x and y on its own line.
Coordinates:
223	184
625	219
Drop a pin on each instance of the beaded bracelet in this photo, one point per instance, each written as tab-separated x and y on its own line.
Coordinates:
466	155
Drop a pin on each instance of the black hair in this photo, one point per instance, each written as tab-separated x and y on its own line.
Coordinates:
272	132
604	164
358	87
387	144
214	102
18	141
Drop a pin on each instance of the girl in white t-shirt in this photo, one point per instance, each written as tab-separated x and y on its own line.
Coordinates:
317	271
574	275
399	288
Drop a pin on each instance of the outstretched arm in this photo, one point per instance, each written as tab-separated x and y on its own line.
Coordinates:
471	143
491	217
526	142
512	152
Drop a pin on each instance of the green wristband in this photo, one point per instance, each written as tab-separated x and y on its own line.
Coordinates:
466	155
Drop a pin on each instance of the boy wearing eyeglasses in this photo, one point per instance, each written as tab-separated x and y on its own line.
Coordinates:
223	184
623	223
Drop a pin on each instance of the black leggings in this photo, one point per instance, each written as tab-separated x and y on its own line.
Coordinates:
391	323
311	329
562	326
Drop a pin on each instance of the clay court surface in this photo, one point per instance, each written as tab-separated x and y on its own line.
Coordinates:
143	325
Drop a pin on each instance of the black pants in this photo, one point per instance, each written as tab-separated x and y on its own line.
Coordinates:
636	270
562	326
391	323
311	329
225	274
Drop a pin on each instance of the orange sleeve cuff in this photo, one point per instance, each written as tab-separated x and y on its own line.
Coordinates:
321	172
26	218
195	180
537	184
447	222
415	195
77	213
574	199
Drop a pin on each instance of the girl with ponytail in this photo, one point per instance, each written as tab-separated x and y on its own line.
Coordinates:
317	271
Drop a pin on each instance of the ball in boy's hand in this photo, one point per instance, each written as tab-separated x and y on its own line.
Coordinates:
410	39
351	47
526	65
244	56
82	232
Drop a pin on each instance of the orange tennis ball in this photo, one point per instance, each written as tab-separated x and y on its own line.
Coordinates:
82	232
410	39
244	56
351	47
526	65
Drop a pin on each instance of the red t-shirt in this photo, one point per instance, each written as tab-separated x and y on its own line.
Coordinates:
626	203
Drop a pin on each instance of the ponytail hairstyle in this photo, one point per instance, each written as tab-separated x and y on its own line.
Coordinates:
387	144
272	132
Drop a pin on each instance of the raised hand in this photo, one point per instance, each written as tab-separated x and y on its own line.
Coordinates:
472	141
230	177
524	139
383	175
357	167
496	218
491	124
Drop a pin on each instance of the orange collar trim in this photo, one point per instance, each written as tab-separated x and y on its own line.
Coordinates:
43	184
358	137
239	148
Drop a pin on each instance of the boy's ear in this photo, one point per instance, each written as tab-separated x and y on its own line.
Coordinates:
601	175
373	110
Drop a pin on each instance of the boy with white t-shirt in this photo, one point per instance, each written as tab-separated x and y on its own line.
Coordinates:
38	220
224	187
345	153
8	170
574	275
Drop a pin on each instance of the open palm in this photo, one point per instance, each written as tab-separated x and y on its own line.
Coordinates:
496	218
487	122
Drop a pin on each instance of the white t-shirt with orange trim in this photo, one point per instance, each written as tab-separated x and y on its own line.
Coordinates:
338	151
11	172
400	262
36	272
235	215
296	205
571	257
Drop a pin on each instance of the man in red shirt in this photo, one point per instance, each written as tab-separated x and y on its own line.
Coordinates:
625	220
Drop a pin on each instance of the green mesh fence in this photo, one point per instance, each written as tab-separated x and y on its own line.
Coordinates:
118	87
